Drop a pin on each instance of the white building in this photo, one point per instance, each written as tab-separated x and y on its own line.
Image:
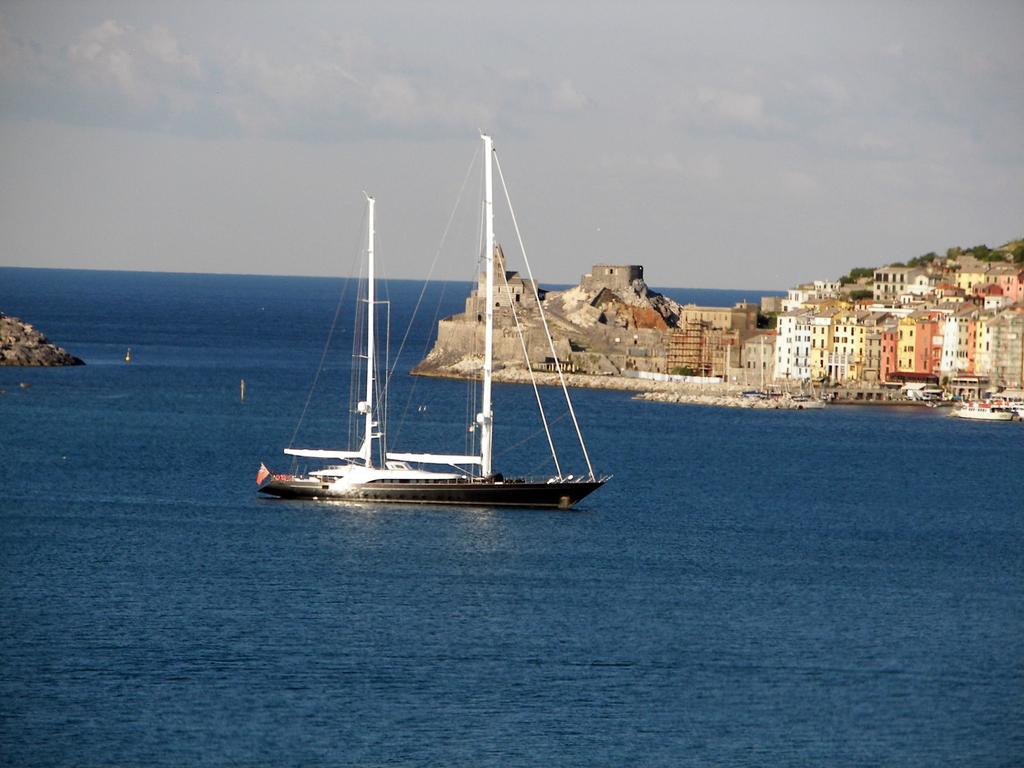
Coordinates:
892	282
949	363
793	346
818	290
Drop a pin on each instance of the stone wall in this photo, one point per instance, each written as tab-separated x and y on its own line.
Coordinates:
612	276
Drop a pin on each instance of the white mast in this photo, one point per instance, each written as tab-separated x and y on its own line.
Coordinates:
366	407
485	417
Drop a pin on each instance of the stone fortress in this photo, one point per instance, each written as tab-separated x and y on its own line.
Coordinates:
609	324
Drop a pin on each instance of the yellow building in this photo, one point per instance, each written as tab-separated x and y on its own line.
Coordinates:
821	342
983	345
969	278
849	340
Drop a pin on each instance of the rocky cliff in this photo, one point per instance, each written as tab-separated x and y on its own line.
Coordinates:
610	322
22	344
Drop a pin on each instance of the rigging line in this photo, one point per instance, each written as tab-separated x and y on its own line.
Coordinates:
536	467
474	380
356	368
433	263
327	345
551	343
478	268
397	431
423	290
529	367
381	388
383	428
532	435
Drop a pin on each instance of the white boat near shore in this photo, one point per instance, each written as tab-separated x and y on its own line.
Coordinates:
983	411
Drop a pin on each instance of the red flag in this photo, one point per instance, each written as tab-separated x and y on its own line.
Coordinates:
263	474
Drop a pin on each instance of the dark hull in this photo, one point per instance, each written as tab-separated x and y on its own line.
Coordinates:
478	493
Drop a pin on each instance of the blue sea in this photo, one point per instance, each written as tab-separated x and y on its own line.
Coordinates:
753	588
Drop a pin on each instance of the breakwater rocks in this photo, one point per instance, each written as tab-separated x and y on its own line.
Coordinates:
727	395
720	395
469	368
784	402
22	344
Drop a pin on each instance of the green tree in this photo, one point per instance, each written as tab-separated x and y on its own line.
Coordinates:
921	261
855	274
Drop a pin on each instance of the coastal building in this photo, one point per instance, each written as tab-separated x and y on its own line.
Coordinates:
967	387
907	343
699	349
950	334
890	350
920	285
1006	333
992	296
949	292
927	340
891	282
972	273
741	317
880	339
520	291
757	358
983	345
1010	278
805	293
821	342
872	361
611	276
793	346
846	359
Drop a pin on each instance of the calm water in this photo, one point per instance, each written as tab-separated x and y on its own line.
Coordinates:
753	588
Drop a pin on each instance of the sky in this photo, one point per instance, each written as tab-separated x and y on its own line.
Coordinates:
719	144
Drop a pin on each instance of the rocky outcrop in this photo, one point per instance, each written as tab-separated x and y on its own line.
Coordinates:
608	323
22	344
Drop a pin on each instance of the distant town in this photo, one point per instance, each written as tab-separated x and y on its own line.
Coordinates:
954	321
948	324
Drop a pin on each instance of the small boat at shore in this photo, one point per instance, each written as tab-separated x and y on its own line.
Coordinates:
983	411
803	402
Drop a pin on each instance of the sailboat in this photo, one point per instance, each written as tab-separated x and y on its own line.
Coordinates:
382	476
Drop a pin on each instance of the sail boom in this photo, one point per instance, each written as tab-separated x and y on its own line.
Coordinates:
435	458
317	453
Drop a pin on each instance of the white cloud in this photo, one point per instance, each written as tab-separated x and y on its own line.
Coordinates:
337	86
565	97
732	106
146	67
705	166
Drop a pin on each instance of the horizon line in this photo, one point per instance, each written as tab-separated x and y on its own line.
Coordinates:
343	277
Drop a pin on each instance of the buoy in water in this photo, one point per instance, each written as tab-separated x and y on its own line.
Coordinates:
128	355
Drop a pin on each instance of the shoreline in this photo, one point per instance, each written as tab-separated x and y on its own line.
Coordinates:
659	391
